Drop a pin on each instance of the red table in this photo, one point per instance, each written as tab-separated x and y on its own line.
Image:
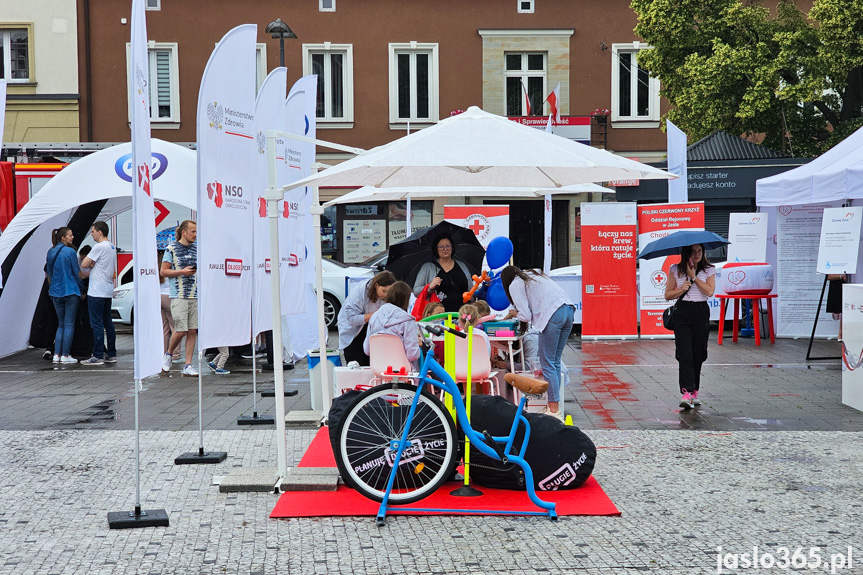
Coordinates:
756	319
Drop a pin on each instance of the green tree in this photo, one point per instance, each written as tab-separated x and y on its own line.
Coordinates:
733	65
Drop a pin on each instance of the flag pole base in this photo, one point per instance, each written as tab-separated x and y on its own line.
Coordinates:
466	491
132	520
200	457
256	419
288	393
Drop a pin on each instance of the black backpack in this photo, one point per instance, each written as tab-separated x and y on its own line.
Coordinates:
560	456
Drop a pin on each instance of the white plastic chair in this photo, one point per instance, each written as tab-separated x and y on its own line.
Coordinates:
387	351
481	364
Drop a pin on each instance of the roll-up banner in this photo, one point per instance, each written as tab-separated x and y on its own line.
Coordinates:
609	297
148	318
798	231
226	177
852	346
657	221
269	115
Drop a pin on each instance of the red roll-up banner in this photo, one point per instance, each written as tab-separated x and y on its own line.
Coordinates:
656	221
609	297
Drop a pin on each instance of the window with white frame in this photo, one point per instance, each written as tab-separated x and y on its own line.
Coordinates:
525	6
164	82
525	74
326	5
413	83
634	94
153	5
333	64
15	54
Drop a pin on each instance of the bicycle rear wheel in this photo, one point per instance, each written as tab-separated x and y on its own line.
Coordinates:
368	433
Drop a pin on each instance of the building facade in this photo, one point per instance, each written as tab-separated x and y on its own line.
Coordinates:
39	61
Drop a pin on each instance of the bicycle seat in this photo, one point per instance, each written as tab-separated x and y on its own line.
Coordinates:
526	384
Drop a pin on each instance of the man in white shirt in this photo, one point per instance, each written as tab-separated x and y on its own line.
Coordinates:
101	261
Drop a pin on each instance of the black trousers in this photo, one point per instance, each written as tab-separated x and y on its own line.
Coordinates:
691	328
354	351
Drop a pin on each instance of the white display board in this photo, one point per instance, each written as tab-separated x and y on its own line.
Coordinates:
840	240
747	233
363	239
852	346
798	230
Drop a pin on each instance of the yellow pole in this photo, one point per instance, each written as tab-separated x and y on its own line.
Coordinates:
449	363
467	391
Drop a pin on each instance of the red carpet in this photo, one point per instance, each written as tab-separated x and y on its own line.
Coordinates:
589	499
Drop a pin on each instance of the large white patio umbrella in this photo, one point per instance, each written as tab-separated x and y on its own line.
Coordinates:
472	149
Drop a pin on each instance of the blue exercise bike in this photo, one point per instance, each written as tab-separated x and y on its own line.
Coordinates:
397	442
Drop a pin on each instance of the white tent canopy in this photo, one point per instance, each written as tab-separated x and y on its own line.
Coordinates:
373	194
481	149
104	175
835	175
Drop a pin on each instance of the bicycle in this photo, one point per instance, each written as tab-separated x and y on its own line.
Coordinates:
397	442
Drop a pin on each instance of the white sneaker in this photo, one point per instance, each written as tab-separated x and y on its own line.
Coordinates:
190	371
56	359
166	362
558	415
68	359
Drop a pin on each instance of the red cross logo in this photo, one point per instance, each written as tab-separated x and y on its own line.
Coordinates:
658	278
476	227
144	178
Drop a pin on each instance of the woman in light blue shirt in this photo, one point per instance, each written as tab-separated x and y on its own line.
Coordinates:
537	299
62	270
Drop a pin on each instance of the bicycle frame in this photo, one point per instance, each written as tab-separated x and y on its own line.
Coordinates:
446	382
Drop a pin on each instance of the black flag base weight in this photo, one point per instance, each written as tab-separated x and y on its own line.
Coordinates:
137	518
466	491
288	393
200	456
256	419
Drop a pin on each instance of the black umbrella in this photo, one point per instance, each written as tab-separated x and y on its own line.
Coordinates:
407	256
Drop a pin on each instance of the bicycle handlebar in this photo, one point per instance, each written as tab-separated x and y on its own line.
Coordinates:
439	329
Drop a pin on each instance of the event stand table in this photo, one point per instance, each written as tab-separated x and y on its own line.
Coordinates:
756	304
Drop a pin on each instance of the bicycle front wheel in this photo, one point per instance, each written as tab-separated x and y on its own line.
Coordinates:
368	436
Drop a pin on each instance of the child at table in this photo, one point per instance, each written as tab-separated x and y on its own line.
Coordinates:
468	316
433	308
393	318
485	313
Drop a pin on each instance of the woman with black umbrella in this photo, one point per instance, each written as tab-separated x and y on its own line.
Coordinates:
445	274
692	281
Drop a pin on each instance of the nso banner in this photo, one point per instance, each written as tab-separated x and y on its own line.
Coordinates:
269	115
608	270
148	317
226	177
747	233
657	221
485	221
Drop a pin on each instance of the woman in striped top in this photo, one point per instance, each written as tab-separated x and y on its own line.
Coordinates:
694	281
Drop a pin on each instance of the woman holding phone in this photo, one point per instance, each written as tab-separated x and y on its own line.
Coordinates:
694	282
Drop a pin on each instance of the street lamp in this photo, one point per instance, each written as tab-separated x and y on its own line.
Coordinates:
281	31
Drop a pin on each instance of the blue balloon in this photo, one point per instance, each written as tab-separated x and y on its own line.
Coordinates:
498	252
496	296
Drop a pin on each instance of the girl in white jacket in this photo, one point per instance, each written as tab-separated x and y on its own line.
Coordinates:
393	318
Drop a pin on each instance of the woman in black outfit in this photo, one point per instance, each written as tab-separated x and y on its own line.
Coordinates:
692	281
447	275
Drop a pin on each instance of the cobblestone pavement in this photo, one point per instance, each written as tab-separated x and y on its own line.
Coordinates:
773	459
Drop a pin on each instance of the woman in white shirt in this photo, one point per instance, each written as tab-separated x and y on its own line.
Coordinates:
694	280
539	300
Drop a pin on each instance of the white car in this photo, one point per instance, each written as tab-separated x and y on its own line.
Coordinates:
335	277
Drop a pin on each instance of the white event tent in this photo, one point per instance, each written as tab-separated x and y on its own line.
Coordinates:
104	175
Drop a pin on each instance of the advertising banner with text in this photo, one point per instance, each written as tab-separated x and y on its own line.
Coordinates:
609	297
840	240
798	232
747	233
656	221
485	221
226	166
852	346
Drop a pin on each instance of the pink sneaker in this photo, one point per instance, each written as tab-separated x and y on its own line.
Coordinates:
686	400
695	401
